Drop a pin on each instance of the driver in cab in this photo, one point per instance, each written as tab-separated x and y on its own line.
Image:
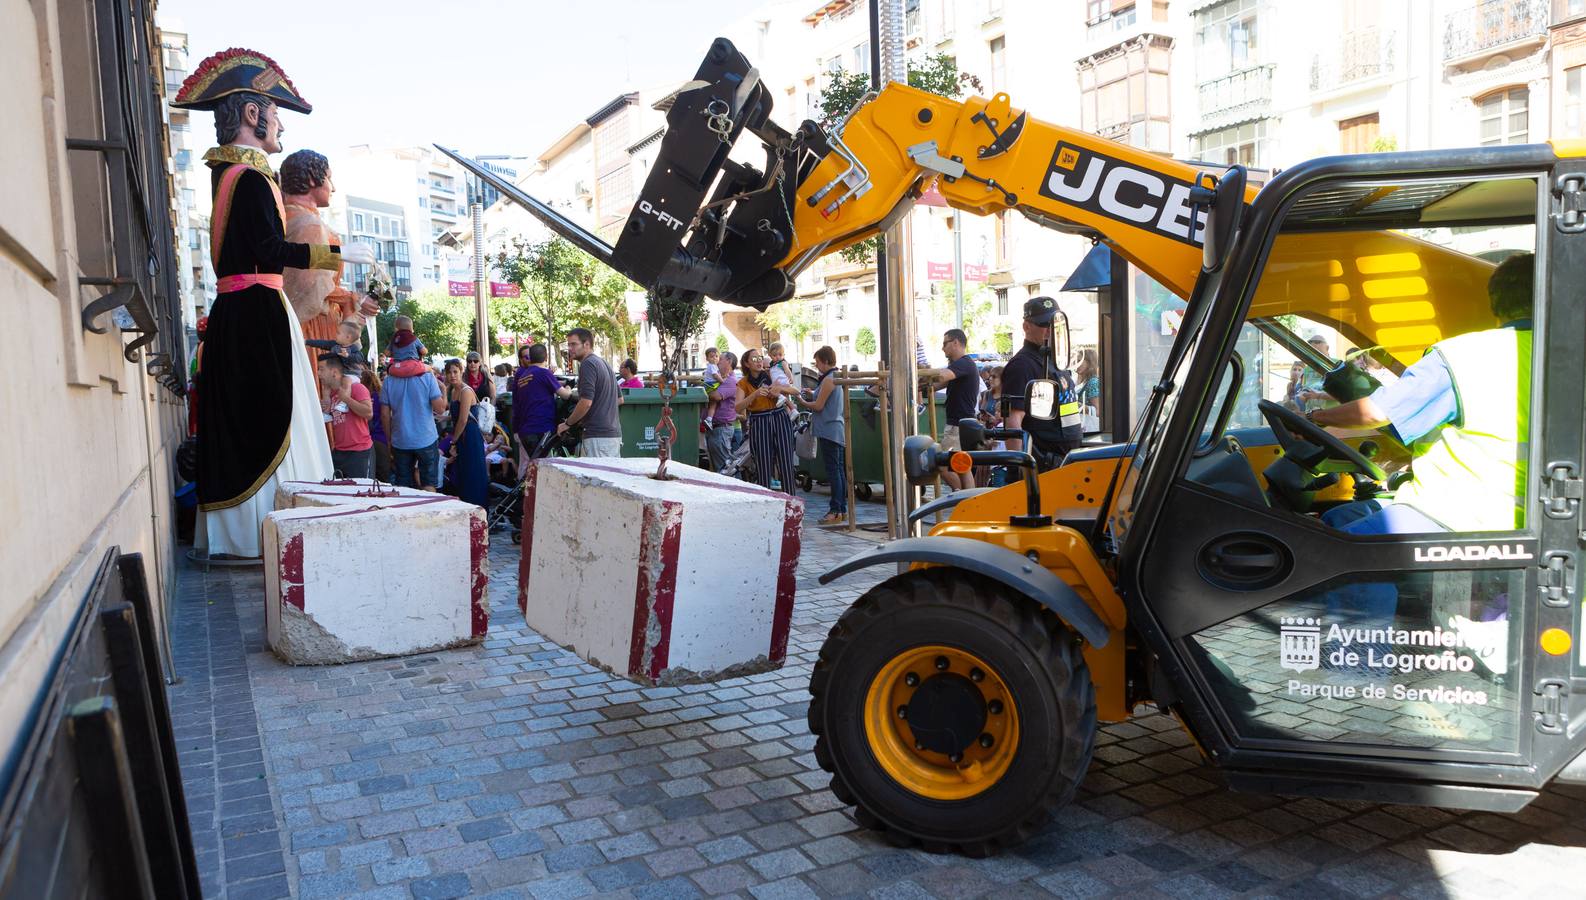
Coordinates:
1464	411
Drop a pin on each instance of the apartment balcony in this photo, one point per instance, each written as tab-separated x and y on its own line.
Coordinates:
1492	26
1236	97
440	188
1361	57
439	213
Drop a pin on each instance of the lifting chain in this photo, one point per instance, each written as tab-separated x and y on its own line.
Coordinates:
665	428
674	322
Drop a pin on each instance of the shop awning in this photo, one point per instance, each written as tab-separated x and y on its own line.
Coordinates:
1094	271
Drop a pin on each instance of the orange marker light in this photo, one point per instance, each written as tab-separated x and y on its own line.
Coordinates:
960	462
1556	641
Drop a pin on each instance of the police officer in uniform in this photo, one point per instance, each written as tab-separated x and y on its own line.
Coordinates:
1053	438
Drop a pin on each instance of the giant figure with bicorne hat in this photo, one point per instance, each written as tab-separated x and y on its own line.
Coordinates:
259	418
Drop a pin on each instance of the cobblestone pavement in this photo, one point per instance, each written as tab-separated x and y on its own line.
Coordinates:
514	769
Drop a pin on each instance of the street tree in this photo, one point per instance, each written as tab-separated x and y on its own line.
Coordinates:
934	72
564	288
977	311
444	323
865	342
791	320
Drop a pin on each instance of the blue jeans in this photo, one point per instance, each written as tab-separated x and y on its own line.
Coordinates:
429	463
718	443
832	454
1372	604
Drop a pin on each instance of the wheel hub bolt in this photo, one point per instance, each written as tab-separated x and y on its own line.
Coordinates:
941	663
994	707
903	712
976	675
986	741
919	746
911	679
956	758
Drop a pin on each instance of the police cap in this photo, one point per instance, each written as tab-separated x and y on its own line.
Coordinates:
1040	310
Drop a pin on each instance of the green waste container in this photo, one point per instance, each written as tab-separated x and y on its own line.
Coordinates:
641	410
866	436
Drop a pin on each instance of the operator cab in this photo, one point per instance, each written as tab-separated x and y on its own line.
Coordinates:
1307	657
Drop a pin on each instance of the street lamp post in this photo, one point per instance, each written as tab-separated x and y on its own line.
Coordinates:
481	283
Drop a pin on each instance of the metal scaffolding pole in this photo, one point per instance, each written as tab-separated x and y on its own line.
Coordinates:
896	272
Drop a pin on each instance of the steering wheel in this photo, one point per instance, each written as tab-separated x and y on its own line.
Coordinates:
1294	430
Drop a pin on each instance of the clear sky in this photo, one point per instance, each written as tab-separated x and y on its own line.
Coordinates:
485	76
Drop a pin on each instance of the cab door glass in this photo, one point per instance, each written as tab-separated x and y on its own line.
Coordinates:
1386	301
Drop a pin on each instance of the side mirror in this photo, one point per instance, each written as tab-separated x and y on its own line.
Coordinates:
1225	209
1062	347
1040	399
971	434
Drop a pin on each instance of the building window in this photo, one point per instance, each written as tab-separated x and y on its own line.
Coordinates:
1359	134
1242	144
946	18
611	137
1124	94
357	221
834	65
1505	117
1103	17
993	9
840	307
1002	301
1226	38
1572	99
862	57
999	63
615	190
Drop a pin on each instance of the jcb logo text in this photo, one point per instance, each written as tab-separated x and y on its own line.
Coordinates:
1118	190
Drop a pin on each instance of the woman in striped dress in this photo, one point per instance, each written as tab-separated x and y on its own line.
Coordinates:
770	428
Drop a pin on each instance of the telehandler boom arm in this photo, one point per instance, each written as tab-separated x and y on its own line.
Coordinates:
705	223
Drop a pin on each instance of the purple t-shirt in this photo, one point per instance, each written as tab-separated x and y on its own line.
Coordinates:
726	398
534	400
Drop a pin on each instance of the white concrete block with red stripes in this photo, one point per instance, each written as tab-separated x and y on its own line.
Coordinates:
664	582
341	491
380	573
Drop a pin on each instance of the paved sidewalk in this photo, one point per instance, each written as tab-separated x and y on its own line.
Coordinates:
514	769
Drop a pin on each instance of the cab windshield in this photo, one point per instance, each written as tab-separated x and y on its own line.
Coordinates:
1340	302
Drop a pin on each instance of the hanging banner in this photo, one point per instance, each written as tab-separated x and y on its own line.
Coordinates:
497	289
935	271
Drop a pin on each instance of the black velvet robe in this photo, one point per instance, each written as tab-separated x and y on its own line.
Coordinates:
245	402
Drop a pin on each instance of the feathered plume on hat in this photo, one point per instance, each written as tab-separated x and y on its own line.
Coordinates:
237	69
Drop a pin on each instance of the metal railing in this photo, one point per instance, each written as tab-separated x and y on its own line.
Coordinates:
1360	56
1245	91
1491	24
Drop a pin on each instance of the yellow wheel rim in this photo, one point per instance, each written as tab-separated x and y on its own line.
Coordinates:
928	773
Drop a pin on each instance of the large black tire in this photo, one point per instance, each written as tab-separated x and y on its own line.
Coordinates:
863	492
1034	655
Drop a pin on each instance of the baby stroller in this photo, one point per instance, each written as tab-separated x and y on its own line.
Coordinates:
506	502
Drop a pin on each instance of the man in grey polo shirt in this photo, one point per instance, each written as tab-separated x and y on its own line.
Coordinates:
597	399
